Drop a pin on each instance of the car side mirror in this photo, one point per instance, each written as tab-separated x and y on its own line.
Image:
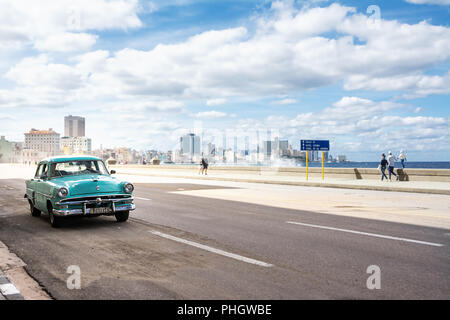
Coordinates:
113	171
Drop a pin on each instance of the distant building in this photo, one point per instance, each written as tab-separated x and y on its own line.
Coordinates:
44	141
10	152
76	145
267	148
190	144
283	147
74	126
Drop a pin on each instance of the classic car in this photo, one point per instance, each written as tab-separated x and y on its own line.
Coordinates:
77	186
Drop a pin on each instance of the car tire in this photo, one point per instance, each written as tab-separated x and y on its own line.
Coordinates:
55	221
34	212
122	216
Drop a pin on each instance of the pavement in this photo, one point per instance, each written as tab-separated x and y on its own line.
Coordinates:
210	239
272	177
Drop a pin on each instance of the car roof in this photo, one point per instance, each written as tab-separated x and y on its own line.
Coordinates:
69	158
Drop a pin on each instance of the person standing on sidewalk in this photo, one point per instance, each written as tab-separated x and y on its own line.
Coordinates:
391	162
383	164
402	158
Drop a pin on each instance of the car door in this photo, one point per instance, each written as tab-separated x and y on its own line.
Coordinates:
39	188
31	185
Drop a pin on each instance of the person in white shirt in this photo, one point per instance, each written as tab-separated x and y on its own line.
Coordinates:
391	162
402	158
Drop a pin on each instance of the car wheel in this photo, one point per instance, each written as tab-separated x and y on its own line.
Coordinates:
34	212
122	216
54	220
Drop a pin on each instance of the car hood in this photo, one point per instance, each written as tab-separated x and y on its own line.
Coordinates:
89	184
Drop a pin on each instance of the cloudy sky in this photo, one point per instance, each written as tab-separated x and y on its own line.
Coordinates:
371	76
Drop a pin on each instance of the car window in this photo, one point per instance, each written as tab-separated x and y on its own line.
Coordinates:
77	167
41	168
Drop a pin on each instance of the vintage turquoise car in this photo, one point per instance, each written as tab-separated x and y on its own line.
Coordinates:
77	186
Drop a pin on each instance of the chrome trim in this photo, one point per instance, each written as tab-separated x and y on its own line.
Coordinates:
93	201
124	195
85	211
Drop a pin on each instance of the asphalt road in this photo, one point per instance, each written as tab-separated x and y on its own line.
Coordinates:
184	247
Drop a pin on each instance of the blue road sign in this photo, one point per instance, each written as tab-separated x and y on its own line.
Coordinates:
314	145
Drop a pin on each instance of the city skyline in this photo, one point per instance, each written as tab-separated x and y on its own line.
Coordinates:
157	70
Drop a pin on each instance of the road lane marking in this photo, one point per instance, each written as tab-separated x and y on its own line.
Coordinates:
213	250
367	234
8	289
146	199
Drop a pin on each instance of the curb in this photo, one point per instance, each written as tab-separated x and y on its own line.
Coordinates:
8	290
306	184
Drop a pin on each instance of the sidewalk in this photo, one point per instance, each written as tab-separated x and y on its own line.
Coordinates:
15	283
428	187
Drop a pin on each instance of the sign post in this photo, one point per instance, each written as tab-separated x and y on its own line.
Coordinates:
307	175
315	145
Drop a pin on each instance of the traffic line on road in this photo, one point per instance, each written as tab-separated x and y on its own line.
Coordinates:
213	250
9	290
145	199
367	234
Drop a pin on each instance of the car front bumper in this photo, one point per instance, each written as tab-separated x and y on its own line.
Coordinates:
89	211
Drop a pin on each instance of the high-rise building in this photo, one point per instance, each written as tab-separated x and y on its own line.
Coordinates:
46	141
190	144
74	126
283	147
267	148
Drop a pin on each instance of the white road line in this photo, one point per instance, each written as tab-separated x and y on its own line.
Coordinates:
367	234
8	289
146	199
213	250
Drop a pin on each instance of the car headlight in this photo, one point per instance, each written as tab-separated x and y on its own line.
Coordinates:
128	187
63	192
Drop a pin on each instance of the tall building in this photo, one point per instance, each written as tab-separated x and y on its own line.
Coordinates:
267	148
45	141
74	126
283	147
190	144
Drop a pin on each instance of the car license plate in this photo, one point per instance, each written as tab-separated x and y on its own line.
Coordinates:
100	210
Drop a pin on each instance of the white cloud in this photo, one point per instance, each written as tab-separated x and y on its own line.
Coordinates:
232	63
48	24
66	42
215	102
210	115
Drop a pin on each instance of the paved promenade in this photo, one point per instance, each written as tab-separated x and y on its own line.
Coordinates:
271	177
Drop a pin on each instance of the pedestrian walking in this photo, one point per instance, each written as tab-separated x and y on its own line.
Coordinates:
402	158
383	165
205	166
391	162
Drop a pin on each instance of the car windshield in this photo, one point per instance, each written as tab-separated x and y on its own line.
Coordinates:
77	167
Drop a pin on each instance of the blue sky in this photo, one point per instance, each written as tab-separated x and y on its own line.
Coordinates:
145	72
